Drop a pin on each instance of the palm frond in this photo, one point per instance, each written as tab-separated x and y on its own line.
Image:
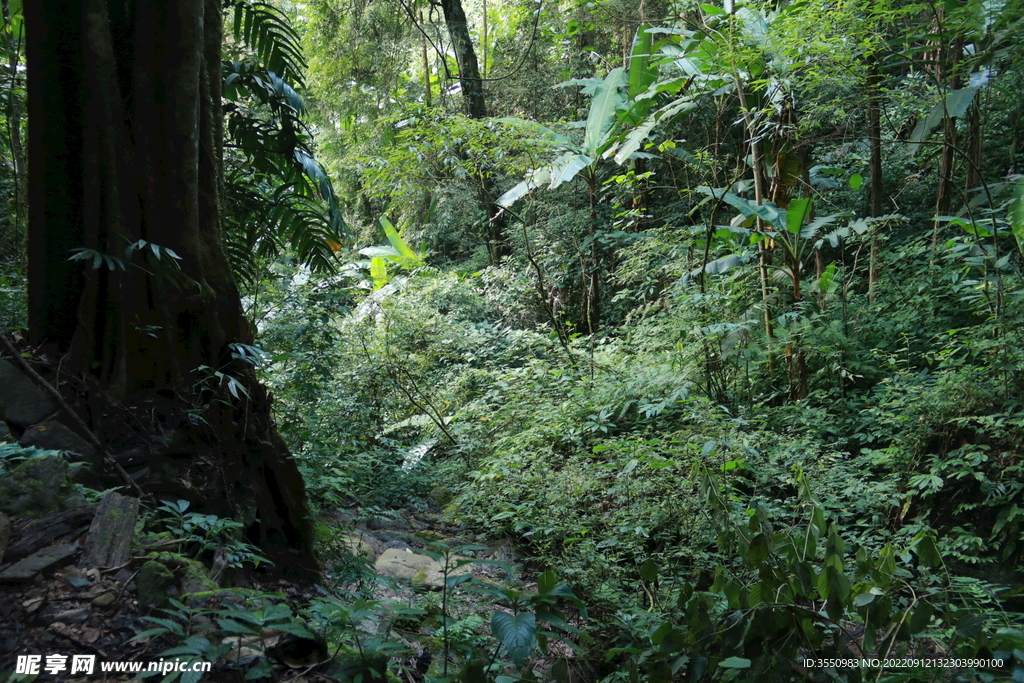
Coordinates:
266	31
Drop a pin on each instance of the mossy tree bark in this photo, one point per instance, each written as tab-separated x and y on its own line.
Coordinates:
125	144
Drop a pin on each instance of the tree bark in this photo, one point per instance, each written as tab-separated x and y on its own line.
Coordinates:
476	108
126	144
469	70
875	164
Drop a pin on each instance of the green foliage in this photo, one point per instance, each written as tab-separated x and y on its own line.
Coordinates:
209	534
796	433
278	196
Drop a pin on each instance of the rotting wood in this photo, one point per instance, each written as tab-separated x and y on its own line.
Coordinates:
110	536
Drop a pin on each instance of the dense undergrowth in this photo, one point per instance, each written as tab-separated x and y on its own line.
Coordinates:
708	521
737	429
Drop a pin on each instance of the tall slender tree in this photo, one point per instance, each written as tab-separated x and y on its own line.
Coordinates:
125	149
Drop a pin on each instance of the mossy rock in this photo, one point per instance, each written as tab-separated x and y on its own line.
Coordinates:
37	487
156	585
187	574
195	578
439	497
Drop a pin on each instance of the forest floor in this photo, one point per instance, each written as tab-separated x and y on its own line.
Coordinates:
66	611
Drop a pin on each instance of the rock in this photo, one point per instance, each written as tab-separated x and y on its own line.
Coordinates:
22	402
438	497
27	569
417	569
38	487
397	544
83	473
5	432
67	524
104	600
5	534
156	585
56	436
358	546
390	522
195	578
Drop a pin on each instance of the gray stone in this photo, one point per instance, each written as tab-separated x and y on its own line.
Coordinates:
417	569
56	436
358	546
27	569
5	534
38	487
397	544
22	402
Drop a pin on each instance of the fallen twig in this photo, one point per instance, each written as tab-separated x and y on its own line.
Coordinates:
48	388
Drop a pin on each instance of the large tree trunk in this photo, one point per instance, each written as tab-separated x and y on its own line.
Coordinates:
476	108
469	70
125	144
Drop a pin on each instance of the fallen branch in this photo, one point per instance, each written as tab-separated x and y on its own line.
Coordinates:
48	388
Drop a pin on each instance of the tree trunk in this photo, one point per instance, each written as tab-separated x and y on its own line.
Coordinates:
476	108
125	144
944	194
469	70
875	164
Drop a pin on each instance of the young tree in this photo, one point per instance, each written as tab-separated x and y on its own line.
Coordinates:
125	150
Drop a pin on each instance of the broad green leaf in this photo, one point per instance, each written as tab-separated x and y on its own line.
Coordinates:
537	177
797	212
396	239
378	272
602	114
864	599
636	136
633	140
767	211
518	633
735	663
928	553
1017	209
856	180
970	625
641	71
955	103
546	582
649	571
566	167
920	617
